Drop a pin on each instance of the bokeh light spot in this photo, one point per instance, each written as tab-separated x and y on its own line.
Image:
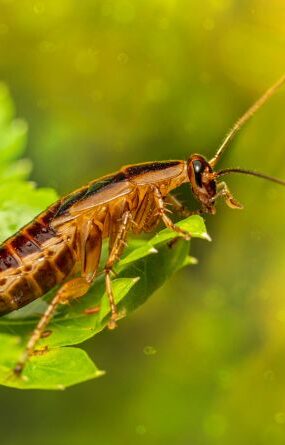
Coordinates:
149	350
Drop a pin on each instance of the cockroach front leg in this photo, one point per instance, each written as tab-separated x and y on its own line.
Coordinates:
223	191
115	253
162	211
70	290
180	208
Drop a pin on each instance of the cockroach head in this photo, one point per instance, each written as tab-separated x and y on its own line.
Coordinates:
202	181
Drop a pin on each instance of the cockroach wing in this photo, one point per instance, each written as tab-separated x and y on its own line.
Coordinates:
96	194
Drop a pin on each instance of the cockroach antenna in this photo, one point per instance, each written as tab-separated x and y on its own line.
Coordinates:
202	176
242	121
244	171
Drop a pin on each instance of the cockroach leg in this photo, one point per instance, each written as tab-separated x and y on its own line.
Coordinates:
178	206
70	290
167	221
91	246
114	314
223	191
115	253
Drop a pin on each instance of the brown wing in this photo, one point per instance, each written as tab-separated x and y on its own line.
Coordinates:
115	186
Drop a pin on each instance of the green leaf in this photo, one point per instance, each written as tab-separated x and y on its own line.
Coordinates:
194	225
147	265
137	281
19	170
55	369
19	203
13	140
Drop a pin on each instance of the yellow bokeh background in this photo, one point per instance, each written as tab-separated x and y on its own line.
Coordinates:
105	83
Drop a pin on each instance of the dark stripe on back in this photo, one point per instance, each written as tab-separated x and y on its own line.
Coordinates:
47	216
7	259
86	192
72	199
140	169
97	186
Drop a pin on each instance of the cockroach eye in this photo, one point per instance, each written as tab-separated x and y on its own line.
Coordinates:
198	166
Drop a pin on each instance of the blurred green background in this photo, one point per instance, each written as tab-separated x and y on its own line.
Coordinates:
105	83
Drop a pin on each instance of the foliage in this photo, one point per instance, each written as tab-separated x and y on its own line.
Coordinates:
144	268
19	199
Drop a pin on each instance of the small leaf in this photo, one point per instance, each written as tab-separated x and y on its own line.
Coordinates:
193	224
54	369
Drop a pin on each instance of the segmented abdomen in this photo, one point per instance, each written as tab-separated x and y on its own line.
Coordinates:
33	261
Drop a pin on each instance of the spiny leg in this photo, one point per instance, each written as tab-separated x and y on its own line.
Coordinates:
116	250
71	289
162	210
180	208
90	243
90	248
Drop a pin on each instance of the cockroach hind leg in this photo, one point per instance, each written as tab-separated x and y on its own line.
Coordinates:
68	291
18	369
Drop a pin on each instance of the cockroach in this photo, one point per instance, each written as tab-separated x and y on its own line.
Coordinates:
68	236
